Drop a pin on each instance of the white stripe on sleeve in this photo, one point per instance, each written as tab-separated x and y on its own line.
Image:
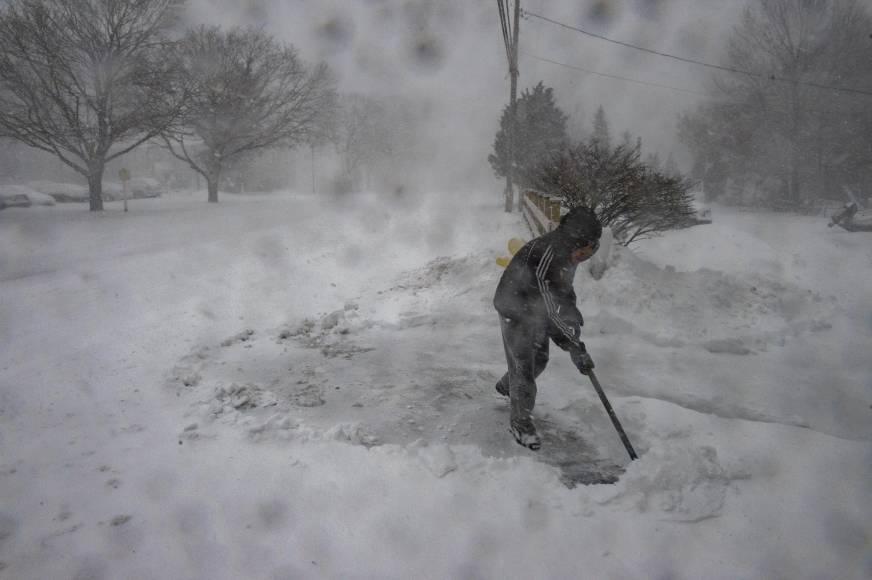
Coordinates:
541	270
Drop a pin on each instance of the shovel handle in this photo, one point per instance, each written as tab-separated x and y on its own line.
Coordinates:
599	391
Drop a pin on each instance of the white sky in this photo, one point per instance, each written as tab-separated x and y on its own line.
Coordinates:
450	53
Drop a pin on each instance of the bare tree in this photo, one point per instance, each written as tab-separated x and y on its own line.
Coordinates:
362	139
799	117
248	92
86	80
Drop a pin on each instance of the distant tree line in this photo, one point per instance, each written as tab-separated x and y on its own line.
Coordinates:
88	81
372	136
782	134
636	199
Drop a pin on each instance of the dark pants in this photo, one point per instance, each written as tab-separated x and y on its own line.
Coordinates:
526	346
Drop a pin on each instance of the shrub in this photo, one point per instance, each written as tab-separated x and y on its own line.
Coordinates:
633	199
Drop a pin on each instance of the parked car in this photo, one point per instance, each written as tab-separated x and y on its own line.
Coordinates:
61	192
22	196
137	188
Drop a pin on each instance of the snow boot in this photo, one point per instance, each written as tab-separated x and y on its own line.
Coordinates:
525	434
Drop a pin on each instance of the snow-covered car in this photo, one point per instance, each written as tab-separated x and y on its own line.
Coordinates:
137	187
22	196
61	192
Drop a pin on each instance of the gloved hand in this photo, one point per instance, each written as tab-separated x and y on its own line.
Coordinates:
581	359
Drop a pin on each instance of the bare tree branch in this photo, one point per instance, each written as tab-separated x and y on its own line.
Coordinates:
87	80
799	141
636	201
248	92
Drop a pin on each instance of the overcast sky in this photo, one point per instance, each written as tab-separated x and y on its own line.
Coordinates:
450	54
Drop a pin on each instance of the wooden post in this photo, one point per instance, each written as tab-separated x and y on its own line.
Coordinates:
124	175
555	210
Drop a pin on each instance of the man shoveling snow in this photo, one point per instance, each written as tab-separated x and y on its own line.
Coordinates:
536	303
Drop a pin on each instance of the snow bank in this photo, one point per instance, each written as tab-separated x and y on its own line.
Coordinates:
723	312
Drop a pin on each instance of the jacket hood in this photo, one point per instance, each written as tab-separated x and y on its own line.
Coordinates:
580	225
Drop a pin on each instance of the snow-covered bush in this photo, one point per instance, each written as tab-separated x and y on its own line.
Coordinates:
636	200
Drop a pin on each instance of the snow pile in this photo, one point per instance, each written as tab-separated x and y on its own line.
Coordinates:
439	459
675	481
721	312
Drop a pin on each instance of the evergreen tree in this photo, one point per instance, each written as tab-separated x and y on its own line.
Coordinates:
540	132
601	129
652	160
671	167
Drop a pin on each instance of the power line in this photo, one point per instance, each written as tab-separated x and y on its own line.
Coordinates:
628	45
651	84
505	28
617	77
697	62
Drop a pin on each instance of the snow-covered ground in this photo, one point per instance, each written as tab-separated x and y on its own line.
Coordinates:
289	386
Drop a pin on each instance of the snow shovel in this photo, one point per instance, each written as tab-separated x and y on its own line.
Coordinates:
612	416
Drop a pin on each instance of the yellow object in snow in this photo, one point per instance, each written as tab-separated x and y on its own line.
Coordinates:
514	245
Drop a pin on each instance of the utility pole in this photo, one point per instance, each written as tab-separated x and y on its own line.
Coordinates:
513	97
312	145
510	37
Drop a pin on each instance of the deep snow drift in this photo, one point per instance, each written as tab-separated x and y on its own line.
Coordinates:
287	386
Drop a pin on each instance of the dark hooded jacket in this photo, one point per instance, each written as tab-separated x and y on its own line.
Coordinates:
536	288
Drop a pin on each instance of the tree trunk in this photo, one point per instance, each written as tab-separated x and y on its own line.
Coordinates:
95	185
795	187
212	185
